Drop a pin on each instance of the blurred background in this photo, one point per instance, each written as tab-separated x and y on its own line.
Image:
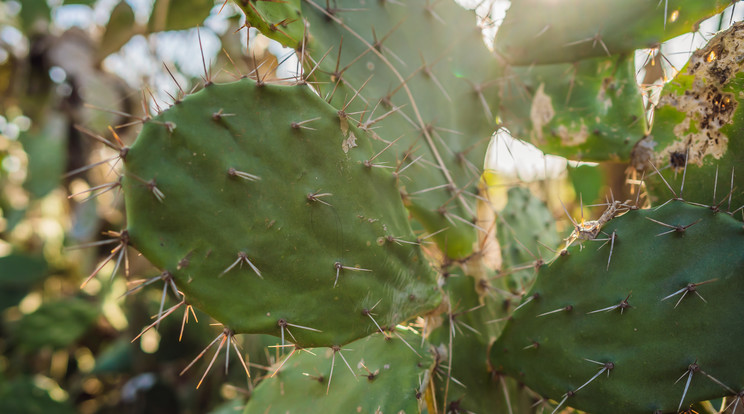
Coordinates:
71	70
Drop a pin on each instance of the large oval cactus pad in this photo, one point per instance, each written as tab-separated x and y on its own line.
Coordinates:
257	199
658	315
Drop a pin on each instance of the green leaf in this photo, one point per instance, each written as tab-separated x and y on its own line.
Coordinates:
587	181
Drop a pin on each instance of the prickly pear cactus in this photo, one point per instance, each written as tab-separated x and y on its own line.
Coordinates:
432	96
543	31
259	205
643	334
392	373
343	211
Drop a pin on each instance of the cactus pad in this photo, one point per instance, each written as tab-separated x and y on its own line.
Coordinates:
388	376
258	202
644	335
544	31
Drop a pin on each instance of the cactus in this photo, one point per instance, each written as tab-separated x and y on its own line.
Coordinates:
225	219
540	32
346	209
435	91
612	334
392	372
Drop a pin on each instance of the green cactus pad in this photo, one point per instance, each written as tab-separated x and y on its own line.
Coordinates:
527	223
433	95
395	379
258	202
468	328
698	123
278	20
546	31
591	110
657	316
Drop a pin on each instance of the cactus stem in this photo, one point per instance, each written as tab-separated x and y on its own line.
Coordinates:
242	258
691	369
301	124
691	287
622	306
244	175
677	228
567	308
